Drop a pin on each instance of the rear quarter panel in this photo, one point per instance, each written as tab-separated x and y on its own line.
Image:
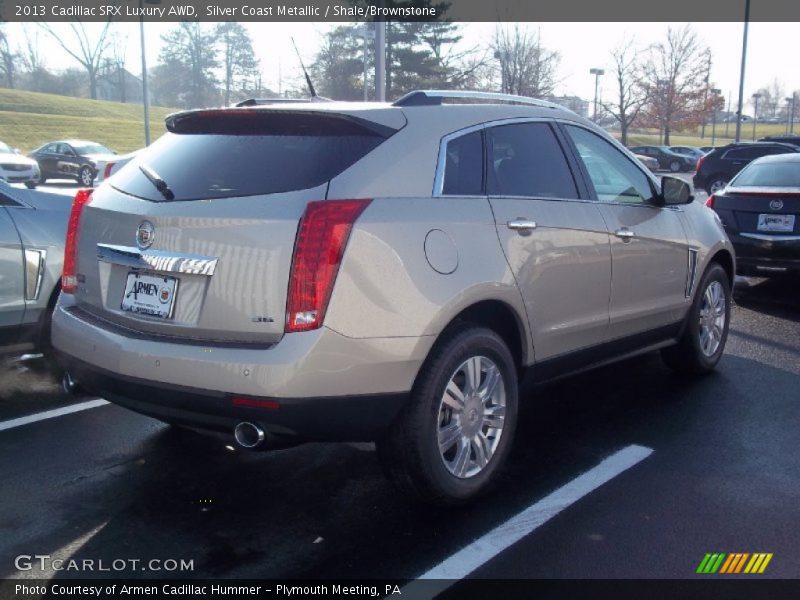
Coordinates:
388	286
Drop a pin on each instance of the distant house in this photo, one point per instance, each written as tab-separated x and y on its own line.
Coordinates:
574	103
119	85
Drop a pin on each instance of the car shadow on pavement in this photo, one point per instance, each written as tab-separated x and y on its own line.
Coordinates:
325	510
777	297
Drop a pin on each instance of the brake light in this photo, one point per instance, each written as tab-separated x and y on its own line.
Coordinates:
107	170
710	201
69	276
700	162
318	250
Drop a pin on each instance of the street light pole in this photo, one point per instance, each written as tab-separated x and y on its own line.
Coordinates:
714	95
790	103
741	73
756	96
145	92
596	72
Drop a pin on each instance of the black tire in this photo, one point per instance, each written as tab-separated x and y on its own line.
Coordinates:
675	166
30	185
688	356
86	176
409	452
718	181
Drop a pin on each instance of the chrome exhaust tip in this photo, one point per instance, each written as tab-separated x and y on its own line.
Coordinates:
69	384
248	435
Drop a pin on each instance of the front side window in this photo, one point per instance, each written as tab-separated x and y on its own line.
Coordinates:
614	176
463	171
526	159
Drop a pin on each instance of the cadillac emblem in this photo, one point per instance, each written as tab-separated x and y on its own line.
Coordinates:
145	235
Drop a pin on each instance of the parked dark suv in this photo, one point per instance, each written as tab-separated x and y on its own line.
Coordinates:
784	139
717	168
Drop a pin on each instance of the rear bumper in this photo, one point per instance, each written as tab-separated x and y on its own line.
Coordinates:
765	253
314	376
335	419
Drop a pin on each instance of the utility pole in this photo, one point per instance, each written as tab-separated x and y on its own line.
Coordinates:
756	96
715	95
728	115
705	98
380	59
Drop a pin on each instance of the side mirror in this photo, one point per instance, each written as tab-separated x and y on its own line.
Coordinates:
675	191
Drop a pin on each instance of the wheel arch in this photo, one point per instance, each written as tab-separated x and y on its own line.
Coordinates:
501	318
724	259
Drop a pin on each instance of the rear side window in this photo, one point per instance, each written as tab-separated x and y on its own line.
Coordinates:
245	153
769	174
748	153
526	159
463	171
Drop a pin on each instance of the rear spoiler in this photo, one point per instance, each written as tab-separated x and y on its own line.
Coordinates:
267	101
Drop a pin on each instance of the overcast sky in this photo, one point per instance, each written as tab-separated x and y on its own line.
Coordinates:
772	50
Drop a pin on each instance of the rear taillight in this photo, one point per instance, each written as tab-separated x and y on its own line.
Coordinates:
318	250
107	170
710	201
69	276
700	163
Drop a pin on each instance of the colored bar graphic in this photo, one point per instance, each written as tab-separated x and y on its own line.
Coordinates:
734	563
728	563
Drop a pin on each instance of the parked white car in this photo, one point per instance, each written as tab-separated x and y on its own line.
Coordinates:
16	168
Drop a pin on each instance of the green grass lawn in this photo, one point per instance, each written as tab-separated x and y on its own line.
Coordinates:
29	119
686	138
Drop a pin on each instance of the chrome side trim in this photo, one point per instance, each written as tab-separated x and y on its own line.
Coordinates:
691	272
157	260
34	272
771	238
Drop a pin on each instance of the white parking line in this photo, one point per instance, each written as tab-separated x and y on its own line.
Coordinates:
50	414
469	558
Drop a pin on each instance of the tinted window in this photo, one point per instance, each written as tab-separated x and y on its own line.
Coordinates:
747	153
525	159
52	148
463	171
614	176
769	174
92	149
245	153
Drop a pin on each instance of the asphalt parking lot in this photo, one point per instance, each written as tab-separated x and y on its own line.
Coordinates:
716	471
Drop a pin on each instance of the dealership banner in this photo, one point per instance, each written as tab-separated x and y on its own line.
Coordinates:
396	10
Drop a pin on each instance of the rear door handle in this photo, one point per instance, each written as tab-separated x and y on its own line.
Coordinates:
521	225
626	235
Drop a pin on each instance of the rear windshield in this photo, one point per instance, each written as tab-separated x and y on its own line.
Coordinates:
769	174
213	155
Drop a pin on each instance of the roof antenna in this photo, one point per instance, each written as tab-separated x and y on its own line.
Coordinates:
302	66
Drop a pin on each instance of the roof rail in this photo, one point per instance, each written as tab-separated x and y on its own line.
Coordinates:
435	98
265	101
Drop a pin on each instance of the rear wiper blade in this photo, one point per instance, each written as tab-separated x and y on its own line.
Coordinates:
157	182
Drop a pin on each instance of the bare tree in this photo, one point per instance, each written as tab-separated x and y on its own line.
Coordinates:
8	60
526	67
675	79
631	94
771	98
88	52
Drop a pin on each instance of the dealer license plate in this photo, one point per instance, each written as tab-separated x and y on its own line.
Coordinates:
784	223
152	295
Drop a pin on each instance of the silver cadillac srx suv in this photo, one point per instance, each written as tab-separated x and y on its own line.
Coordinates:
382	272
